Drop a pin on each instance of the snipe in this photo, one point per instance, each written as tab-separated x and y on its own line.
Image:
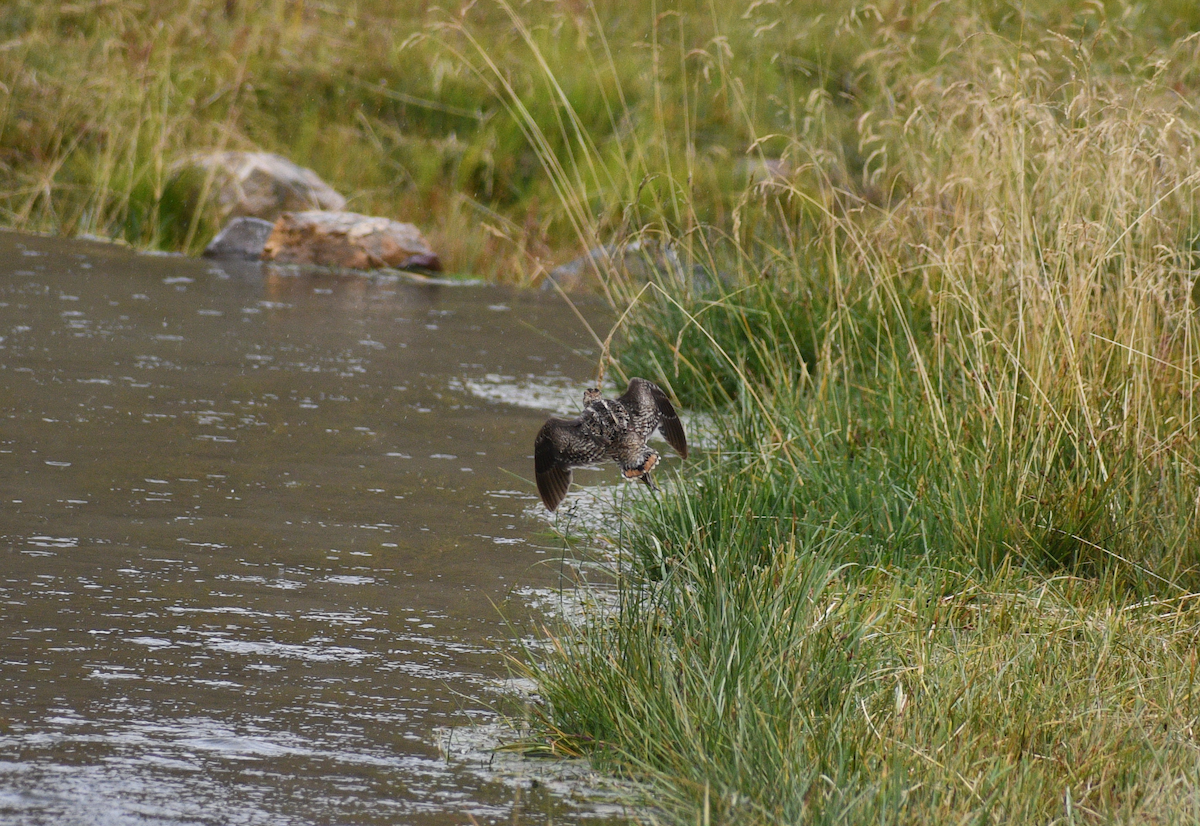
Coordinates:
613	428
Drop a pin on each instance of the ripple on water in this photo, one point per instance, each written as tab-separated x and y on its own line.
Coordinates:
220	641
349	579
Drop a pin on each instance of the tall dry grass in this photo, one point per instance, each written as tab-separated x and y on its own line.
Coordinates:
1050	236
1012	330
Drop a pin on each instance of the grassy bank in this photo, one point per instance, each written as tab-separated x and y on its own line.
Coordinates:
399	106
944	567
657	116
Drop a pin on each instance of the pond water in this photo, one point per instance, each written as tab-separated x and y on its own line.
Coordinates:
262	535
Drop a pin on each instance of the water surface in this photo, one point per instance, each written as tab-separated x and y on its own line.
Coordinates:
258	531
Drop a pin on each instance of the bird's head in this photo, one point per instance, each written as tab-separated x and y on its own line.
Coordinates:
590	395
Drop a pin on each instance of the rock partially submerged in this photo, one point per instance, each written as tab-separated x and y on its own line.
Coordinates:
589	267
639	260
258	184
347	239
761	170
242	239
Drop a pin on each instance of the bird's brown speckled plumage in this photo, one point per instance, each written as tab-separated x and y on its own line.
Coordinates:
613	428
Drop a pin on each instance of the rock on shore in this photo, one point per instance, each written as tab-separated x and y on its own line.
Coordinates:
242	239
347	239
259	184
639	260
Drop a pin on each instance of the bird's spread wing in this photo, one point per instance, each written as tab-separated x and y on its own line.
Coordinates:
668	425
561	445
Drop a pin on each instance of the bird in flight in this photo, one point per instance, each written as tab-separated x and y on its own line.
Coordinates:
613	428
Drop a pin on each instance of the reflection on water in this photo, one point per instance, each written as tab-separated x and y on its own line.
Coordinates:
255	527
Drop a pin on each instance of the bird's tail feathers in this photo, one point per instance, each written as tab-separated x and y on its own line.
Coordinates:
641	469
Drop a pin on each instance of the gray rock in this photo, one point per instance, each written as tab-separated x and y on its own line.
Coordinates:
758	170
347	239
639	260
242	239
257	184
589	267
